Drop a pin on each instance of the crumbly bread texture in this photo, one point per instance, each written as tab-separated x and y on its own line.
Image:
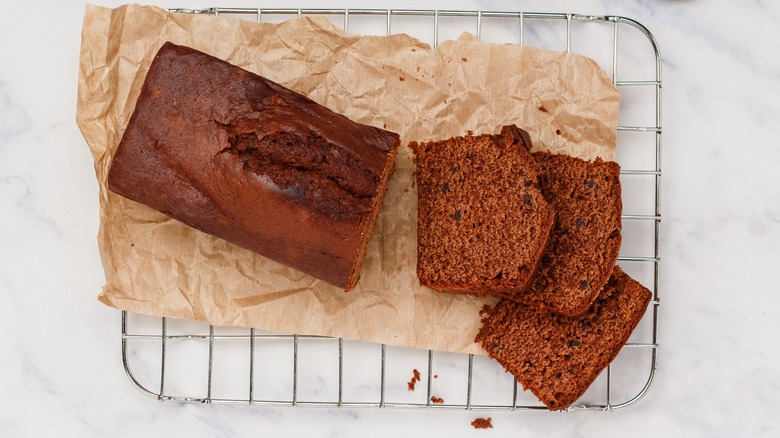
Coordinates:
482	220
585	240
558	357
242	158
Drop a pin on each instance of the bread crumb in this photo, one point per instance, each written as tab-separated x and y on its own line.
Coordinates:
464	59
413	49
415	379
435	376
418	69
558	131
132	244
401	78
470	132
482	423
484	313
384	125
437	400
543	109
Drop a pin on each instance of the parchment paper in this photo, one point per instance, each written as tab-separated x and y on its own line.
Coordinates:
157	266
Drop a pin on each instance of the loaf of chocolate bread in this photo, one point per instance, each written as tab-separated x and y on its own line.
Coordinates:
245	159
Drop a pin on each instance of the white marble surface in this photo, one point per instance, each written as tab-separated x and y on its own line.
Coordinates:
60	367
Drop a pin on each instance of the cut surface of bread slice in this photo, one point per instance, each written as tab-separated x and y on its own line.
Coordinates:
483	222
558	357
585	240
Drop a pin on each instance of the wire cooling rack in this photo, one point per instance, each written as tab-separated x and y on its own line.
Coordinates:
187	361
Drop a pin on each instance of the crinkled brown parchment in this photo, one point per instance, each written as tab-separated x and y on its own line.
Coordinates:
157	266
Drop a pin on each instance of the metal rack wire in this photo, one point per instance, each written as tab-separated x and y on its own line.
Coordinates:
649	172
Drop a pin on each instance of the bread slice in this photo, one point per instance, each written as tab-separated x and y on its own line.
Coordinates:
558	357
482	222
585	240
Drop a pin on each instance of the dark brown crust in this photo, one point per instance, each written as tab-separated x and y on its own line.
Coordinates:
357	264
558	357
585	241
242	158
494	240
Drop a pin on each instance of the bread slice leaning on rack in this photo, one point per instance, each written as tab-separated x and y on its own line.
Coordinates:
559	357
